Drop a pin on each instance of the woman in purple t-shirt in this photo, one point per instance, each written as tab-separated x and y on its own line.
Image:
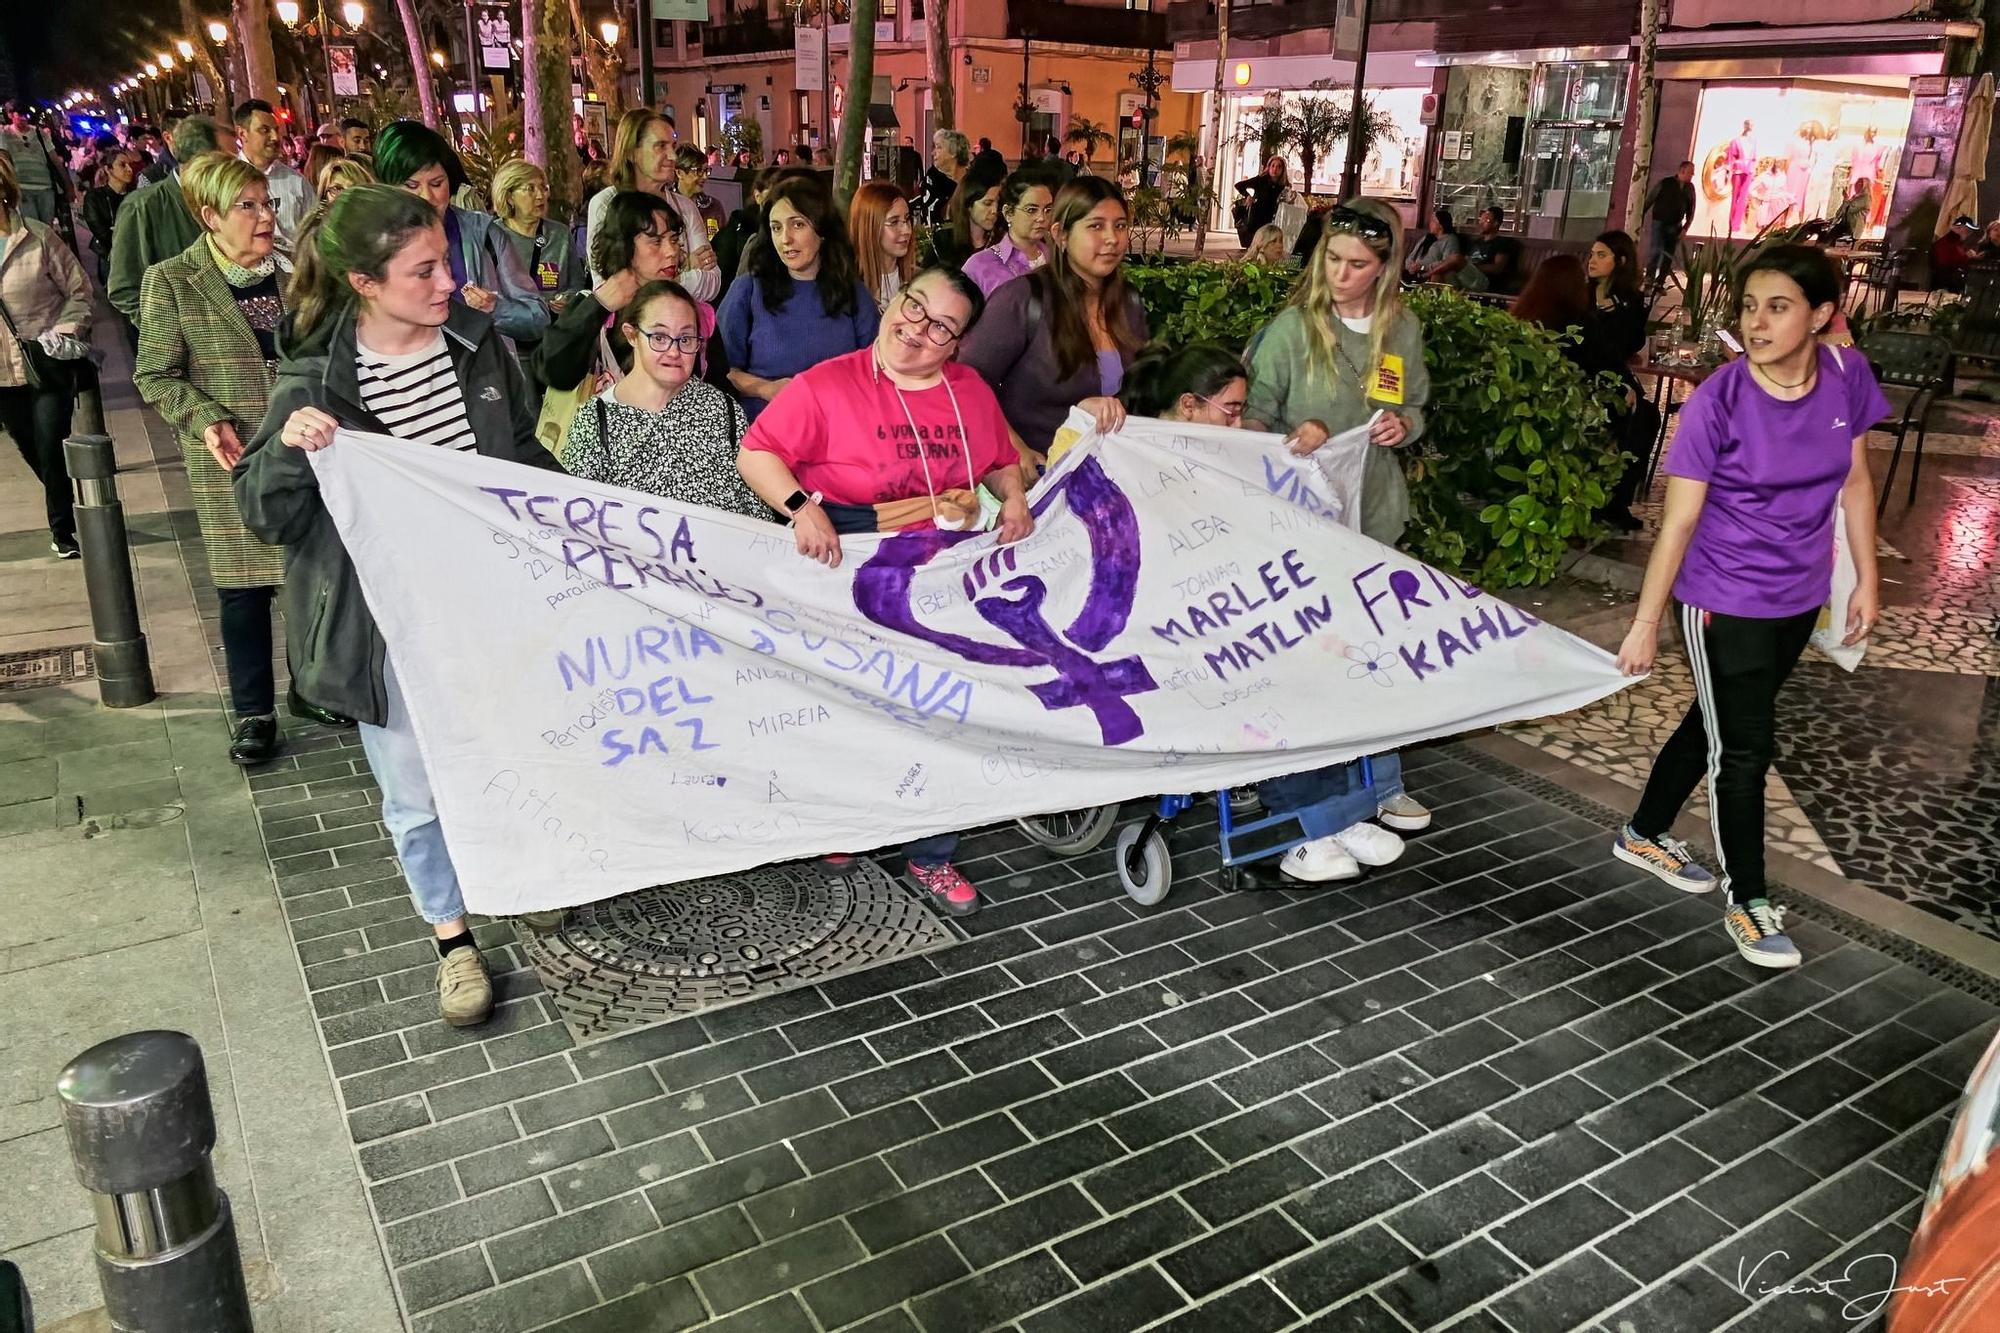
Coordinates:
1767	446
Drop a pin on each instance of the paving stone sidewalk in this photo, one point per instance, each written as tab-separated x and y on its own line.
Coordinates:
1508	1083
138	895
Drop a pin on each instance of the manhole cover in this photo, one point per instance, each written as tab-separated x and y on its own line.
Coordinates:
45	666
682	948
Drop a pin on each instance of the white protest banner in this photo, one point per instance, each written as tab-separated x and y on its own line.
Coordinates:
613	691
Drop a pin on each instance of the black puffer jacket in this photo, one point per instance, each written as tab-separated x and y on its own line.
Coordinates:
335	649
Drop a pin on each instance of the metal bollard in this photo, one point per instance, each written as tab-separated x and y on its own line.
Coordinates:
140	1133
124	669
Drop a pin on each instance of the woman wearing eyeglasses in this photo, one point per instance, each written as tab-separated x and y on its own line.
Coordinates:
1345	353
208	354
1027	201
885	239
660	429
1206	384
894	436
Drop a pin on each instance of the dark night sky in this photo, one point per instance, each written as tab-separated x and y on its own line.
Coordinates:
56	45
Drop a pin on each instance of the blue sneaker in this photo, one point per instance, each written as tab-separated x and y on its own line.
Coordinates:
1669	858
1759	931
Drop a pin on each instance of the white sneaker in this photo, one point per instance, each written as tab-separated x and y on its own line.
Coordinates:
1320	861
1404	812
1369	845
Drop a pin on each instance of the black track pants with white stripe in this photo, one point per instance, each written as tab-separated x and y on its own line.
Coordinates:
1728	735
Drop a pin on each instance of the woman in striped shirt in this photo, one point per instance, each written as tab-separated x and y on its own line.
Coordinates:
377	344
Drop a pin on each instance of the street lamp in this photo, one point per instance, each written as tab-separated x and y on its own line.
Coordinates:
218	32
354	13
152	70
609	30
186	48
437	58
166	60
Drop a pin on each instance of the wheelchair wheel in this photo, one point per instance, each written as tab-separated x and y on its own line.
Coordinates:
1070	832
1147	872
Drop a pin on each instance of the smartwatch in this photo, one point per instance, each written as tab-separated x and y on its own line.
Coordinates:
798	500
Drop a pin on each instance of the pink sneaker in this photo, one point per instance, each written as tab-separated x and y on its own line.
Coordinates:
952	892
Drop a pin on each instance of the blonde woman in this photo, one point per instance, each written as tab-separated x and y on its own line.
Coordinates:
547	251
208	351
342	173
1267	247
1345	353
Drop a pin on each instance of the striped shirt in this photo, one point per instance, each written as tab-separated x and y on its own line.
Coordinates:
416	395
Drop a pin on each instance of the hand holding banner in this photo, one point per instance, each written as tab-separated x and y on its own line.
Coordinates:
613	691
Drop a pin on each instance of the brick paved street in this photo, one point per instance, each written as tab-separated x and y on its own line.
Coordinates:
1510	1078
1508	1084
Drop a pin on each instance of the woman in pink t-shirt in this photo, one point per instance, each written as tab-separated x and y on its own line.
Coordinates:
1769	447
894	435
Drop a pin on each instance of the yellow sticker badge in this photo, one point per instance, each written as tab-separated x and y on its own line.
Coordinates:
1388	386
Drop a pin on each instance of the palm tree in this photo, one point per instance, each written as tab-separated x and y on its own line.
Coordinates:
1376	127
1094	135
1313	130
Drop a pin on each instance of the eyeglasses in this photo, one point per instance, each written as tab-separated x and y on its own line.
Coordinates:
1346	221
1230	411
900	222
252	208
660	340
935	331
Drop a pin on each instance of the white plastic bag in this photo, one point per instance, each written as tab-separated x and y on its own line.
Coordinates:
1832	627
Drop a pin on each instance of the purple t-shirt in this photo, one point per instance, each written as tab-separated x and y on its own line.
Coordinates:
1763	547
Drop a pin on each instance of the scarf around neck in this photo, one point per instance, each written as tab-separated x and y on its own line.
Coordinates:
236	275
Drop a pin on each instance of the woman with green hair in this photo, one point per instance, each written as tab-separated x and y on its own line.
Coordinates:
375	344
490	276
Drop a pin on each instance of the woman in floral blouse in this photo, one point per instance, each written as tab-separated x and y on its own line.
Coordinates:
660	429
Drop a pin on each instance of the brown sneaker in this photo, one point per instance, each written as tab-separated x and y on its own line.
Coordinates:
544	923
465	992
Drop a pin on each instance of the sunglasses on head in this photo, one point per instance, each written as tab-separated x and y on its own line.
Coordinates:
1353	222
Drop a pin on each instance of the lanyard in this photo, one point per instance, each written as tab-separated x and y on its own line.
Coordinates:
971	482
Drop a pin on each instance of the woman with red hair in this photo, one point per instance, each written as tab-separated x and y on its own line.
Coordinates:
884	232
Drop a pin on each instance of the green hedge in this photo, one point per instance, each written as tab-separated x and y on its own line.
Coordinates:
1519	450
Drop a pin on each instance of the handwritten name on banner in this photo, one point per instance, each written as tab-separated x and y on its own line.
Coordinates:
613	691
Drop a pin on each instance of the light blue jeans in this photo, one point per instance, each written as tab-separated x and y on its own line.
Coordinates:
410	811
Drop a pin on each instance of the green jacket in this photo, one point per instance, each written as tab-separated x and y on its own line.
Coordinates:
335	649
153	225
1286	389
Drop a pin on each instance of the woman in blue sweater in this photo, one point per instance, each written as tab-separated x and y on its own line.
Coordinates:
801	303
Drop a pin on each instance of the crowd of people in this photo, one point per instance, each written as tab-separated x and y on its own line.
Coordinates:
766	362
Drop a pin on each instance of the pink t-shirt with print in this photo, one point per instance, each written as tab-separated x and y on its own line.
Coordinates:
840	428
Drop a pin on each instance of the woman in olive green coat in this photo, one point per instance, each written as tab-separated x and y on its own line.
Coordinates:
207	328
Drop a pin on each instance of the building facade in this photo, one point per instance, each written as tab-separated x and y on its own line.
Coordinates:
1021	71
1525	104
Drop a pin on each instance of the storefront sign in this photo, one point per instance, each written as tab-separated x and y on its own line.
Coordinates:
612	691
1428	115
1452	140
687	11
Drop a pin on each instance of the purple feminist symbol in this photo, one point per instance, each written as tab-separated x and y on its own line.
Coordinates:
882	593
